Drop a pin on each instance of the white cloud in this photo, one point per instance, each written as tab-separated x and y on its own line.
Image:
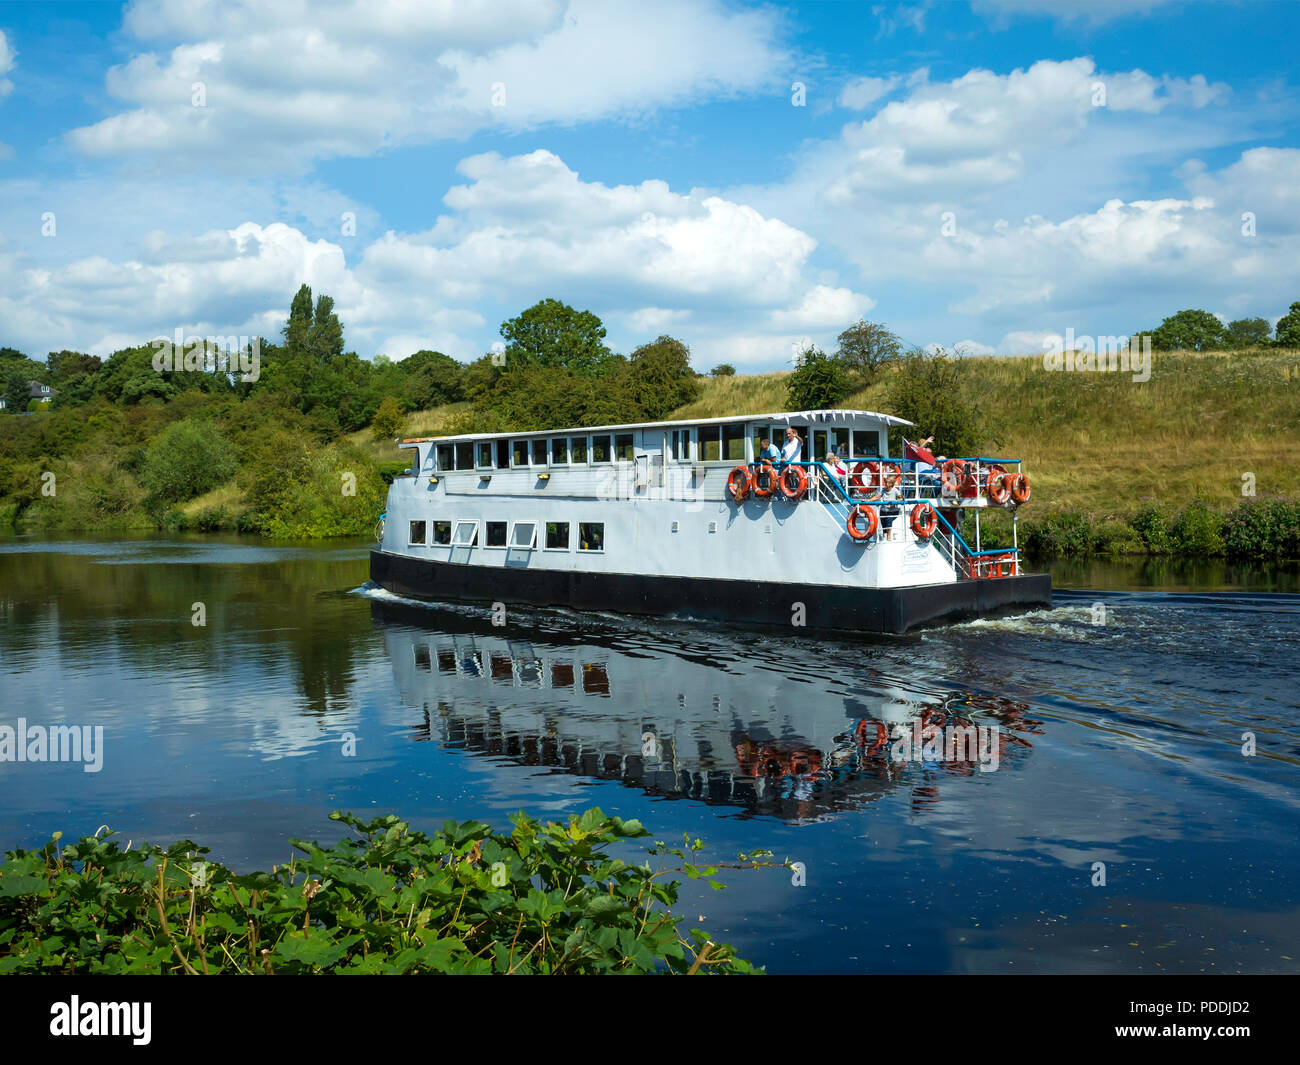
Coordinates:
861	93
645	258
6	63
1068	10
289	83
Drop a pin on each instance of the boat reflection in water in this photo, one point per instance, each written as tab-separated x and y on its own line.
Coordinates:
753	734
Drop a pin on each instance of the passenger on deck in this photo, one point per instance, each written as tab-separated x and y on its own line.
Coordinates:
768	451
793	450
927	466
837	470
889	513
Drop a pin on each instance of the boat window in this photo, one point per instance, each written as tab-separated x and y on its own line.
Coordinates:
733	437
419	532
560	451
503	454
561	675
600	449
579	456
866	442
496	534
710	443
595	679
539	452
446	457
442	532
520	453
466	534
485	455
623	449
591	536
465	456
557	536
820	445
524	535
679	445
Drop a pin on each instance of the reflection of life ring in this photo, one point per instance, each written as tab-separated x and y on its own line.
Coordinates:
738	483
924	521
998	490
857	532
765	480
1020	489
794	483
882	734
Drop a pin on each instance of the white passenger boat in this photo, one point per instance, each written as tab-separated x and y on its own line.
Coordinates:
687	519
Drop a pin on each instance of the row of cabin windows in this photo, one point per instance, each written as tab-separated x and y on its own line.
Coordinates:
520	534
705	443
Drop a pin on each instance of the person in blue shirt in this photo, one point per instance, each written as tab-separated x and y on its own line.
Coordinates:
768	451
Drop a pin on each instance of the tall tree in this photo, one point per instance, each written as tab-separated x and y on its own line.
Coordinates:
865	347
1287	334
818	382
1190	330
552	334
325	339
1248	333
661	377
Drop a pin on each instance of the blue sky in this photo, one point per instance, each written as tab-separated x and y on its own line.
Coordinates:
986	174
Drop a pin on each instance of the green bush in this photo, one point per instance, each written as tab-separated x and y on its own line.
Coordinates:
1152	526
1197	531
187	459
1060	534
542	899
1263	528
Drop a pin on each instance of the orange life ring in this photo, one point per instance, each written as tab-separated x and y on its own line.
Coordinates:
882	735
857	534
998	490
951	475
765	480
1010	561
1020	489
739	482
794	483
924	521
857	482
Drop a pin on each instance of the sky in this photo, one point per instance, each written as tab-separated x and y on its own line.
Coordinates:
749	178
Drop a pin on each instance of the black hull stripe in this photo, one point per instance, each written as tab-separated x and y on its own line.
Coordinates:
892	610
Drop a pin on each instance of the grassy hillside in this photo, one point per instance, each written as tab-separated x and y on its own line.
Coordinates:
1102	443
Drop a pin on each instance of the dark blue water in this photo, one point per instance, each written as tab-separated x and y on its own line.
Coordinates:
1115	727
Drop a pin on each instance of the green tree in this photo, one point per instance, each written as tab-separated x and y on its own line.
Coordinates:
187	459
1247	333
16	391
928	390
818	382
1287	333
433	379
325	338
389	419
723	369
865	347
660	377
553	334
1190	330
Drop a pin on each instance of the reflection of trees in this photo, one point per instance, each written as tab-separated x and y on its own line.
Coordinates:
129	607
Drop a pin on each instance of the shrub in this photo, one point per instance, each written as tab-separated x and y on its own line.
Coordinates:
187	459
1197	531
389	420
1061	533
1152	526
1263	528
543	899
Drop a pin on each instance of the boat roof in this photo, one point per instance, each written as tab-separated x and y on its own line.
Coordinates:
816	417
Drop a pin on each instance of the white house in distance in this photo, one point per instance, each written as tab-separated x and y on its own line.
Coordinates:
36	390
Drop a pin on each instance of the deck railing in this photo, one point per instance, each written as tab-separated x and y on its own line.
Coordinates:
837	502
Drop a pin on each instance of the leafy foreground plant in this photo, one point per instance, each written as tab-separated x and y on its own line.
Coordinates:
546	898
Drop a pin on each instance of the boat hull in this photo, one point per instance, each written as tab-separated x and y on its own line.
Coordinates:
875	610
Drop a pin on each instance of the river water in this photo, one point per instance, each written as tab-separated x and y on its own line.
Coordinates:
1128	802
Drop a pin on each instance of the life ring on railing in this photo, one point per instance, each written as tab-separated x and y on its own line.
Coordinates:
924	521
1020	489
765	480
739	482
856	532
997	488
951	476
794	483
857	483
1010	561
